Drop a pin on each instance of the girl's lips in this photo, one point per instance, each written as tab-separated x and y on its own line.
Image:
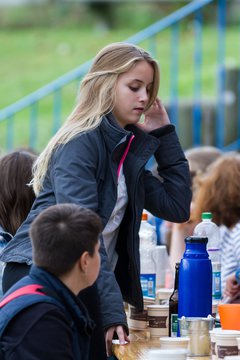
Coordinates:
140	110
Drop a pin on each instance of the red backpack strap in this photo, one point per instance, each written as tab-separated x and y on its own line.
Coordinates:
25	290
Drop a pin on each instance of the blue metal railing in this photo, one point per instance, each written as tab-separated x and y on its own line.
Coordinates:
150	34
221	75
197	111
169	20
173	73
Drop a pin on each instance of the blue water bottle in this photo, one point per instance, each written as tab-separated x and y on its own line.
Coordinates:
195	279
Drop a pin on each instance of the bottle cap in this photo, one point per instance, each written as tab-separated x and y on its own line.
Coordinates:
144	216
196	239
206	216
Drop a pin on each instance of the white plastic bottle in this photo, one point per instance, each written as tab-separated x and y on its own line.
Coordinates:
147	231
209	229
148	238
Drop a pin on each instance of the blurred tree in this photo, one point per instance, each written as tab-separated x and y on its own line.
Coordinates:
104	10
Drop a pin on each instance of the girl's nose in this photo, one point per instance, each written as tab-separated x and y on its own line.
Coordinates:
143	95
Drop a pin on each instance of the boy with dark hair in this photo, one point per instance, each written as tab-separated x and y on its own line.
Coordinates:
47	319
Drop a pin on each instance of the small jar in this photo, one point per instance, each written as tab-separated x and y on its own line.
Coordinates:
137	320
163	295
167	354
226	343
198	331
158	320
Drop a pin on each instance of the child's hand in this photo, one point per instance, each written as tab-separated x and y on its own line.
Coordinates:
232	288
155	117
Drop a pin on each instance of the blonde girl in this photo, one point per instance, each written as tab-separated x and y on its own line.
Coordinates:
97	160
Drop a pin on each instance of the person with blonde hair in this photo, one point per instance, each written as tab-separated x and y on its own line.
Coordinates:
218	193
97	160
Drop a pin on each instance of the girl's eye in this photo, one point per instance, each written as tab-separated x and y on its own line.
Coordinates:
135	89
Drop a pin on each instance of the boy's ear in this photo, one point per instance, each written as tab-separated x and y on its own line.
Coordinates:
83	262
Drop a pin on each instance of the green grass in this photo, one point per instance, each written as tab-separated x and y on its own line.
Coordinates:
30	59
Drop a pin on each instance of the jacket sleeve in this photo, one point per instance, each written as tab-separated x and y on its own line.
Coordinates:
170	197
74	180
111	301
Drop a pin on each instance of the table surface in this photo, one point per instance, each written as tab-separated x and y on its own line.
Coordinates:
139	347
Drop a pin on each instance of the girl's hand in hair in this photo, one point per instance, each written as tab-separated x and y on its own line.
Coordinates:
155	117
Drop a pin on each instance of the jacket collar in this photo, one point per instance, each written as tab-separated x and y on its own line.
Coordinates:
116	139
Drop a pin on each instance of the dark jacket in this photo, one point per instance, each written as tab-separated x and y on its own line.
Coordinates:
45	330
4	236
84	171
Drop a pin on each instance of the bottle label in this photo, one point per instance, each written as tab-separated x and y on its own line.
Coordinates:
224	350
160	322
216	285
174	325
148	284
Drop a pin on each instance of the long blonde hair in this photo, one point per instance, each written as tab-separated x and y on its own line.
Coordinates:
96	98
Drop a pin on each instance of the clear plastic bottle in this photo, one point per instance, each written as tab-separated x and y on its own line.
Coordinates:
147	232
147	235
207	228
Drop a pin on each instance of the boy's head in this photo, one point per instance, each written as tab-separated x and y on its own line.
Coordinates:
61	234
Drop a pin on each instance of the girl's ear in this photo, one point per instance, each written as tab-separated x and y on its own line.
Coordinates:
83	262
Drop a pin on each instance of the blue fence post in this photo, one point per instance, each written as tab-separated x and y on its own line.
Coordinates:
57	102
153	46
174	74
220	126
33	133
197	111
238	95
10	128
